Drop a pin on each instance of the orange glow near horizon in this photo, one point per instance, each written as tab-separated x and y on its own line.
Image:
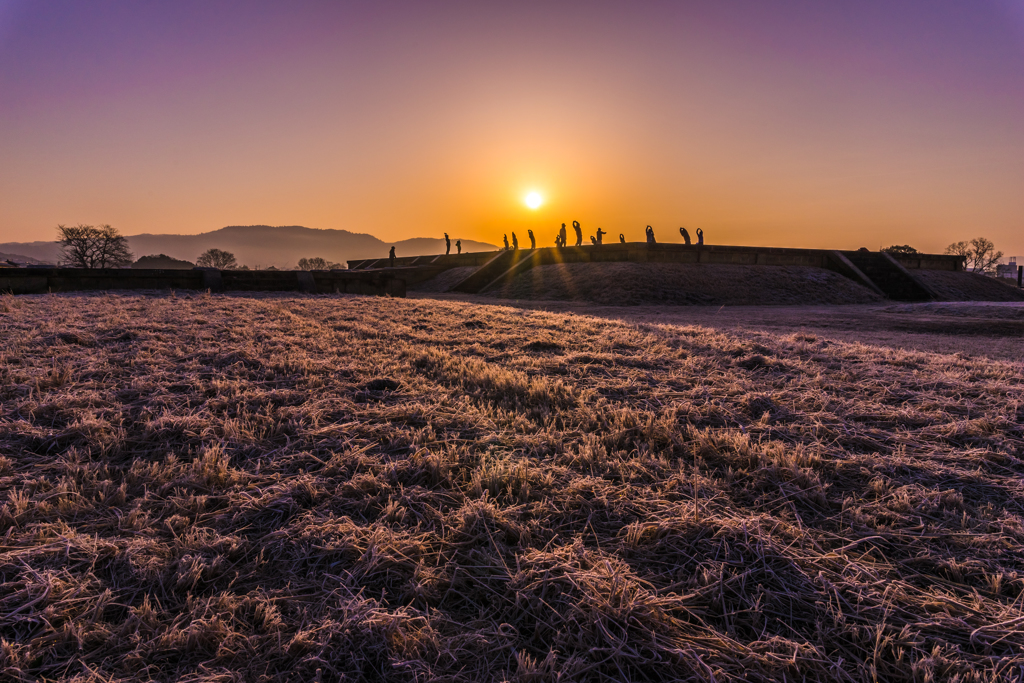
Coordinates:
827	127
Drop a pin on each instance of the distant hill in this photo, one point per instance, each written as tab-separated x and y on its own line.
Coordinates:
264	245
21	259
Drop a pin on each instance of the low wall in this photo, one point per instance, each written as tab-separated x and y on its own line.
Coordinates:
930	262
444	261
640	252
42	280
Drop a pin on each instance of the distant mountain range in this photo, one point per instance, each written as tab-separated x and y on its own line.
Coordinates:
260	245
17	258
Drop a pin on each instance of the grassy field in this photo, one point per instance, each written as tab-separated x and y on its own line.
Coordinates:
983	330
247	488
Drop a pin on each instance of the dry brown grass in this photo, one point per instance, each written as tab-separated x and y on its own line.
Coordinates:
982	330
326	488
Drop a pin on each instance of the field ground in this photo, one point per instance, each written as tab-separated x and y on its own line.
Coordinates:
976	329
289	487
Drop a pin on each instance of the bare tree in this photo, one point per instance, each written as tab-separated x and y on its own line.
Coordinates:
317	263
216	258
979	254
89	246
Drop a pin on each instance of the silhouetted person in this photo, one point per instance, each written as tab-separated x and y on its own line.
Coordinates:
650	236
561	235
700	236
447	245
505	237
579	233
391	257
515	242
458	246
600	235
622	238
686	235
593	240
533	240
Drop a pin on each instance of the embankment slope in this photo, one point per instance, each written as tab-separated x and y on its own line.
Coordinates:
625	284
960	286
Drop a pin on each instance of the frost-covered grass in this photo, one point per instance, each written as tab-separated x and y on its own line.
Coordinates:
330	488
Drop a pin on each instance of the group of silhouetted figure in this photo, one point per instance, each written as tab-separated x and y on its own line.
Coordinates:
598	239
448	245
682	231
686	235
561	238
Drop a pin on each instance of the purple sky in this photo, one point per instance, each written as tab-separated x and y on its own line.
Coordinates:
779	123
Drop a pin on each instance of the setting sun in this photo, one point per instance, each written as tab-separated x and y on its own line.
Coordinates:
533	200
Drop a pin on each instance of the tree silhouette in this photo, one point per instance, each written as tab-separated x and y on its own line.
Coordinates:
317	263
89	246
980	255
900	250
215	258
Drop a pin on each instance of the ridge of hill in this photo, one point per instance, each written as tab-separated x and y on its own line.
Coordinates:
263	245
18	258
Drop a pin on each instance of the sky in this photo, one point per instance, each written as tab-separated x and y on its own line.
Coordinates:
790	123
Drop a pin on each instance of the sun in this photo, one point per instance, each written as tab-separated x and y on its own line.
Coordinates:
533	200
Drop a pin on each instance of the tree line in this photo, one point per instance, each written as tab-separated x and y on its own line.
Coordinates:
979	254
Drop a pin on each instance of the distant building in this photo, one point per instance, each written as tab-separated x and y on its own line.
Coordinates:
1007	269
